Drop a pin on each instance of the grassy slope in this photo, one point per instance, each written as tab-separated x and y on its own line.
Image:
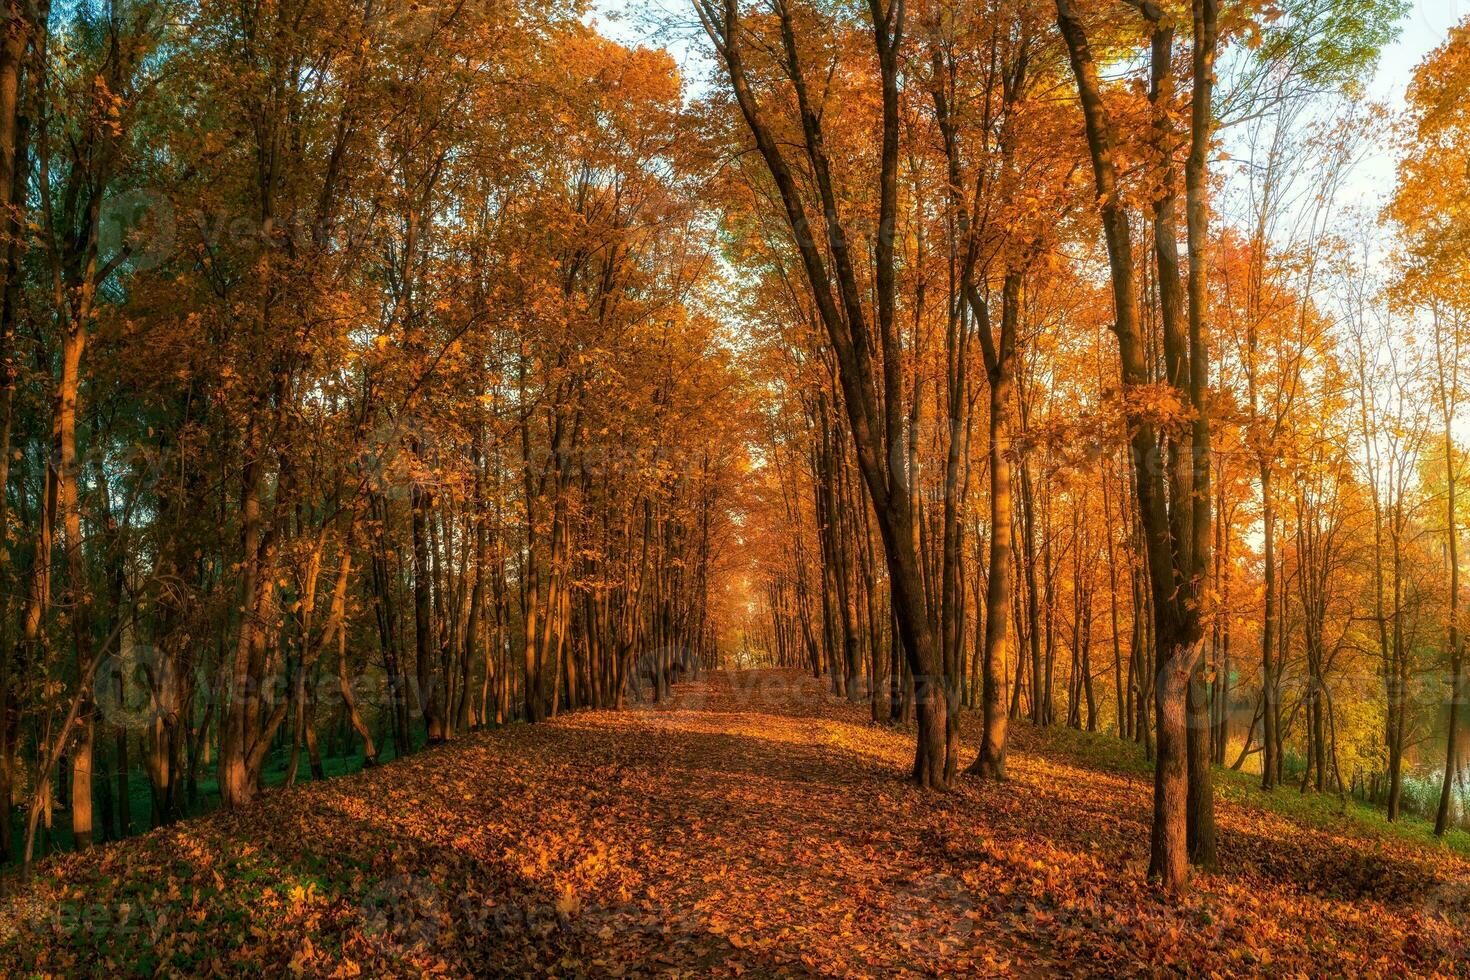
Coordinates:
1327	812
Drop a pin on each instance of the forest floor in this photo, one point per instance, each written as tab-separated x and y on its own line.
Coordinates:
754	826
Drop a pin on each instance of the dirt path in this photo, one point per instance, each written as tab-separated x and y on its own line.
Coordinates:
756	826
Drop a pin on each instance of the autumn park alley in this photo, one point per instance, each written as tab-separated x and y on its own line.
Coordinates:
854	488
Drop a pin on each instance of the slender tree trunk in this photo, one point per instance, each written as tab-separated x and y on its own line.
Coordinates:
430	692
990	763
1448	398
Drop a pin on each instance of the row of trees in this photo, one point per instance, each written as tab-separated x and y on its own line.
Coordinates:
361	377
377	372
1149	438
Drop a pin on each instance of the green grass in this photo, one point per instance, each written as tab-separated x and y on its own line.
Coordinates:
1331	812
1325	811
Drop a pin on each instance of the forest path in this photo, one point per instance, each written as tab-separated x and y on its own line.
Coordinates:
753	826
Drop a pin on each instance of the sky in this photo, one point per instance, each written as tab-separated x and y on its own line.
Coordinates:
670	24
1426	25
1424	29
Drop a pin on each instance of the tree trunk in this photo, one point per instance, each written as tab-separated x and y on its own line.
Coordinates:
990	763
